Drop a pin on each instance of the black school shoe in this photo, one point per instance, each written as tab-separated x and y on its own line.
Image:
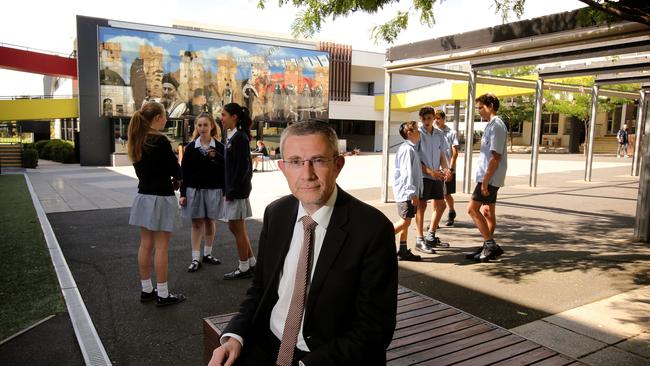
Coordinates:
238	274
170	300
210	259
406	255
488	252
148	296
422	246
450	218
194	266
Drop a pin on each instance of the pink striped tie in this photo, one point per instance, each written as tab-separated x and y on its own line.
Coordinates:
297	306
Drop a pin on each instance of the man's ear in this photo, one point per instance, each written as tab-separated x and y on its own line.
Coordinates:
340	162
281	165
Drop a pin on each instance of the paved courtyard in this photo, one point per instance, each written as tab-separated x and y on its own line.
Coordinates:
568	253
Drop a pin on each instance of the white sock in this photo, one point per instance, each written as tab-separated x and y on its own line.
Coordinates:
252	261
207	250
163	291
196	254
146	285
244	265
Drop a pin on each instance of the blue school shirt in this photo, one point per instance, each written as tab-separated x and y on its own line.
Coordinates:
451	137
494	139
431	146
407	179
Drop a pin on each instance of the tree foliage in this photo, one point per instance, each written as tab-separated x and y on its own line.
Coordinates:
313	13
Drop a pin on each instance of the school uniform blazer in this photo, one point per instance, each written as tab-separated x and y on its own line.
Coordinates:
352	301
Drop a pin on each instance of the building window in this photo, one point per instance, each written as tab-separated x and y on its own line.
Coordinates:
550	123
516	128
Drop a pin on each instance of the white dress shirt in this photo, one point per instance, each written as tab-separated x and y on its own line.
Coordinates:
288	276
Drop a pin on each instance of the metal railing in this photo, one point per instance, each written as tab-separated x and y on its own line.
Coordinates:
31	97
72	54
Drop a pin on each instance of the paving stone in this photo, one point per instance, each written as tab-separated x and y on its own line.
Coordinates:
614	356
639	345
557	338
610	320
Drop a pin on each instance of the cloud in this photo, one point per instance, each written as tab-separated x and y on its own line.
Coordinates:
130	44
167	38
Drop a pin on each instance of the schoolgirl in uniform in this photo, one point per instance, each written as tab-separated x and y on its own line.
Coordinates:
202	188
238	174
155	208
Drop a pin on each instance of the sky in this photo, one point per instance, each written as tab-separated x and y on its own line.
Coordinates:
53	26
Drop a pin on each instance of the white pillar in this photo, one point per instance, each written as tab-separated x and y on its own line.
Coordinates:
592	132
456	114
469	131
642	220
537	126
388	77
623	116
638	134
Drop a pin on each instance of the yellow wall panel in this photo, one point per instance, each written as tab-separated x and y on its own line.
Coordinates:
35	109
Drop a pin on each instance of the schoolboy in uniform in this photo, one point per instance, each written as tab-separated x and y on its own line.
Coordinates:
407	186
451	137
432	149
490	176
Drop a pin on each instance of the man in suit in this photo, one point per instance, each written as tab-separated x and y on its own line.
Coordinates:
347	313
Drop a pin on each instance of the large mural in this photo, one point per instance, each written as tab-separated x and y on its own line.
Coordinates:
190	75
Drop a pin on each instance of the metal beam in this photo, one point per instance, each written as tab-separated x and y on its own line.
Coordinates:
388	77
539	95
605	40
469	132
624	78
589	147
640	128
508	81
597	68
642	222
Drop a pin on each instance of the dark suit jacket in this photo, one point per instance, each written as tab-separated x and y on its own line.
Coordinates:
352	301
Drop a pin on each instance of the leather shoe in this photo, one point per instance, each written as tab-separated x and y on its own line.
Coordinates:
170	300
237	274
421	246
148	296
210	259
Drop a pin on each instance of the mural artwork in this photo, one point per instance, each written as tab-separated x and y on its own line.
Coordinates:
190	75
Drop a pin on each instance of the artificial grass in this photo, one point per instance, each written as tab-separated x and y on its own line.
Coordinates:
28	285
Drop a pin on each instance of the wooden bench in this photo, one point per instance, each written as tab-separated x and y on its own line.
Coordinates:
429	332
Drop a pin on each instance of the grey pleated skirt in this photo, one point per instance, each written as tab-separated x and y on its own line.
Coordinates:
155	213
203	203
237	209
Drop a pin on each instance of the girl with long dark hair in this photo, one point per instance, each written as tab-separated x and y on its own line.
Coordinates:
238	174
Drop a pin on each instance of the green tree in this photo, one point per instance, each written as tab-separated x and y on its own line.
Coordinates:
313	13
516	110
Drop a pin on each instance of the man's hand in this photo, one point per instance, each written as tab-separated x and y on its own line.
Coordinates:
415	201
226	354
182	201
484	189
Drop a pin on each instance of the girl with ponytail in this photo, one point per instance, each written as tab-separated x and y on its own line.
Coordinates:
238	175
155	207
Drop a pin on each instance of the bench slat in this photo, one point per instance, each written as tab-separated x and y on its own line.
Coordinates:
501	354
528	357
440	340
431	332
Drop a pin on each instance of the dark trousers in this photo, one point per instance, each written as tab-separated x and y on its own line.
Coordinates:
263	351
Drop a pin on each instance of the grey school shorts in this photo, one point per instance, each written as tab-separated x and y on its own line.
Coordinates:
406	210
489	199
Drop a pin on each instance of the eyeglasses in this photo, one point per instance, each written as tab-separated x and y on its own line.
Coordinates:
317	163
